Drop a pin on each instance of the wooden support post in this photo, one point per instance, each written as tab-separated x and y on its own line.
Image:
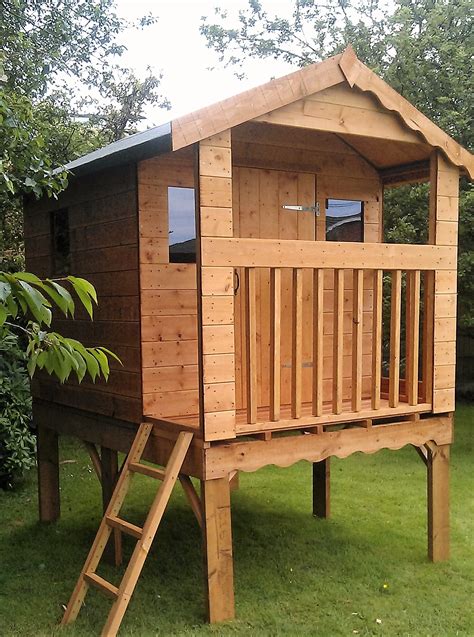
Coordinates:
322	488
217	545
48	474
109	472
438	501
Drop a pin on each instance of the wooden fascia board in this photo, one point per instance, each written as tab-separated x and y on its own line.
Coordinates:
268	97
357	74
415	172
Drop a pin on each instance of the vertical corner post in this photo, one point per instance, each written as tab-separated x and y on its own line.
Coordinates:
438	501
322	488
48	474
215	285
217	549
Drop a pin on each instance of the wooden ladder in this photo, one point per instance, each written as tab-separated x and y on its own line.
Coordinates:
111	521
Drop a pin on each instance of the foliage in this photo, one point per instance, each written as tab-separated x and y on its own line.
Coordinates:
17	442
65	94
423	48
24	294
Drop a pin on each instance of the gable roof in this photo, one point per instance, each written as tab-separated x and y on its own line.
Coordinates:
316	77
203	123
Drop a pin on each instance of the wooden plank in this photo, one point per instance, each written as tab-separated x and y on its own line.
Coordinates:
269	253
218	368
395	329
297	343
341	119
169	328
413	335
337	341
275	343
109	476
358	288
218	339
322	488
438	501
377	338
215	192
249	104
170	378
216	222
286	450
318	341
217	541
217	281
48	474
191	496
251	345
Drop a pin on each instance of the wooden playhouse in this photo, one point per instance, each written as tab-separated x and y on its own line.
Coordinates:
242	273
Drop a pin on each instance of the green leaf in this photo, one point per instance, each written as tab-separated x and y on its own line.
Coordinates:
84	297
3	314
27	276
84	285
103	361
110	353
60	301
64	294
92	365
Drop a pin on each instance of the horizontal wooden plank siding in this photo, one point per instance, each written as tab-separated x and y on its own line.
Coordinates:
103	234
168	295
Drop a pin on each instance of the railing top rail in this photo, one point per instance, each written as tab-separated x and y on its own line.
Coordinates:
284	253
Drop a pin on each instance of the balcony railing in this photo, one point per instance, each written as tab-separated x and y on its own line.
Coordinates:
320	313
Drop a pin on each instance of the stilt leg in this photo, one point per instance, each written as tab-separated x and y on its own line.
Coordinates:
322	488
109	464
217	544
48	475
438	502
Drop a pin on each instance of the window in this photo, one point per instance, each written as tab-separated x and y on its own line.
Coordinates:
182	225
344	220
61	241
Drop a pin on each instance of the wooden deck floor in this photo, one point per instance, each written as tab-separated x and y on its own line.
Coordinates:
264	423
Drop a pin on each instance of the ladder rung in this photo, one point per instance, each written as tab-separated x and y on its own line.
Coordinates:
138	467
123	525
101	584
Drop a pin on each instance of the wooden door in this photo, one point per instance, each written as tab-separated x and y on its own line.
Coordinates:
258	200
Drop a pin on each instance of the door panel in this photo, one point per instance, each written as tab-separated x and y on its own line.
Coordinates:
259	196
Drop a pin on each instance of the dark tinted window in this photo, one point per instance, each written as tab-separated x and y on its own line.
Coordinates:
344	220
182	225
61	241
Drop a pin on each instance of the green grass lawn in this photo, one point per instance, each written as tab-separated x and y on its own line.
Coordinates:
294	575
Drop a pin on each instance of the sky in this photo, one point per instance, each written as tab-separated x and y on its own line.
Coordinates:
175	47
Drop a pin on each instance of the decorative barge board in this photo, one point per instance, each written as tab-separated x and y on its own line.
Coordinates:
242	272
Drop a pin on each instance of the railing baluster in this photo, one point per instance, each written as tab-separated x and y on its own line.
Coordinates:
357	318
275	343
395	319
377	339
318	335
251	344
413	335
297	342
338	340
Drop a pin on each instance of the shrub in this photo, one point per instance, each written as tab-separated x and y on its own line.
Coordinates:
17	441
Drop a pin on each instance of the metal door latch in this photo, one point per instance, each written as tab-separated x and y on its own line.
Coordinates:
314	208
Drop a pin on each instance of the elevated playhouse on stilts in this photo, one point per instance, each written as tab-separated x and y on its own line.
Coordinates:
243	279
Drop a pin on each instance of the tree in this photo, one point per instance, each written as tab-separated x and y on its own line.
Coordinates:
422	48
63	84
